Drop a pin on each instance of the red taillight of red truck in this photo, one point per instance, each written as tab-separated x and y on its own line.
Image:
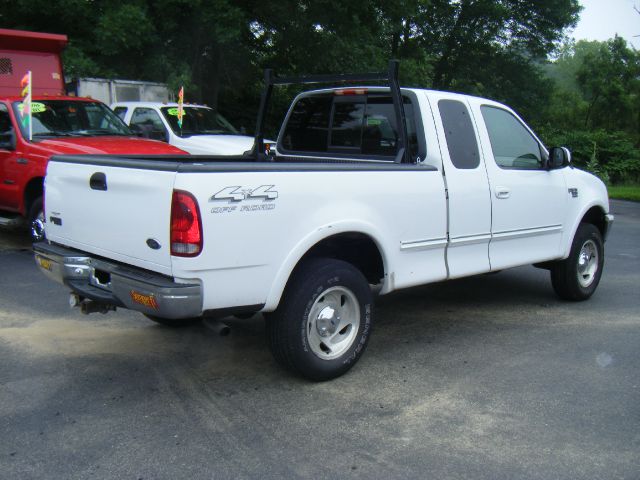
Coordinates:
186	225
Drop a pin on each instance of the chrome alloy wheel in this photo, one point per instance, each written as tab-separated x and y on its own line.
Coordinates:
587	263
333	322
37	227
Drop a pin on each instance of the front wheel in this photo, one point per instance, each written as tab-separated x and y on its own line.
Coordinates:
323	322
578	276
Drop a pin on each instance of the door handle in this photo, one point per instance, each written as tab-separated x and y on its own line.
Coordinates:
98	181
502	192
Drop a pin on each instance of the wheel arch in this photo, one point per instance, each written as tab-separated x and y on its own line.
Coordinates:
32	190
359	246
593	214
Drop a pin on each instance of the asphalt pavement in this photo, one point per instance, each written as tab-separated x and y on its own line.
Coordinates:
490	377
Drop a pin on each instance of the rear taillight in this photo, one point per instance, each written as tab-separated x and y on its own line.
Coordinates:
186	225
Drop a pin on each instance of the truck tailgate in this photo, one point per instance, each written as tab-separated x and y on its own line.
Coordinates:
120	212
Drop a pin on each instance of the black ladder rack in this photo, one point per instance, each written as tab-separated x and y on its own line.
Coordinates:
390	77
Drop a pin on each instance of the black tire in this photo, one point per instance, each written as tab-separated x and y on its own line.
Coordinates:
174	322
322	325
575	278
36	221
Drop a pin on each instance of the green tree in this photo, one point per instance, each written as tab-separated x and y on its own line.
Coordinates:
609	79
218	48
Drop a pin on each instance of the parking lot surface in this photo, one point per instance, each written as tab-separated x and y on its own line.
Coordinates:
490	377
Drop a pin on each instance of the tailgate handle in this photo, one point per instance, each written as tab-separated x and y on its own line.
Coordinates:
98	181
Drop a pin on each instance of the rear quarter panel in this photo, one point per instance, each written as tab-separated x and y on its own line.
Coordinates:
252	245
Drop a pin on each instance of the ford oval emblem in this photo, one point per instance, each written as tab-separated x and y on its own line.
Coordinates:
152	243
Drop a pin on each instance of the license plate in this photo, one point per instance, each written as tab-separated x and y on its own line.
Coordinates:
44	263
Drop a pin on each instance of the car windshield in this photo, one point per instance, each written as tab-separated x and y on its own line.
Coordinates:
71	118
198	121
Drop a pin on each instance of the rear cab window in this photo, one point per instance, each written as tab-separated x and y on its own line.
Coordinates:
327	124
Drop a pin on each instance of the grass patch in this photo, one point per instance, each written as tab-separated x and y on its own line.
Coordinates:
625	192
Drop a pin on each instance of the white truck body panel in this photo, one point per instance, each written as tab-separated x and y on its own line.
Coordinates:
213	144
242	244
523	230
469	206
115	223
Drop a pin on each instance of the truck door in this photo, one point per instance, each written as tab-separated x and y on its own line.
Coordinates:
528	202
469	211
8	188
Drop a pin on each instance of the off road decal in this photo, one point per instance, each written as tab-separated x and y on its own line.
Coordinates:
258	199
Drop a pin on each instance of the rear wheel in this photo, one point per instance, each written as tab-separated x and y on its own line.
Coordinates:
36	221
323	322
174	322
578	276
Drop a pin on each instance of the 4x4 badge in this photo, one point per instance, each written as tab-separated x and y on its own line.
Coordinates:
238	193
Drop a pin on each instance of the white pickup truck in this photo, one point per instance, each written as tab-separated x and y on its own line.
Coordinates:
352	203
204	131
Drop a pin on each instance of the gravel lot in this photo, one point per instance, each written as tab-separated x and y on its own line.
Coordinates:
490	377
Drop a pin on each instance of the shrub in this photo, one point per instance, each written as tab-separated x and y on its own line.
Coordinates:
612	156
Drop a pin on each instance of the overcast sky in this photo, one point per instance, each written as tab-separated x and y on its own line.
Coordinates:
602	19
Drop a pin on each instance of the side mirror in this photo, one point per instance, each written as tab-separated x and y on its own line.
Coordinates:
559	157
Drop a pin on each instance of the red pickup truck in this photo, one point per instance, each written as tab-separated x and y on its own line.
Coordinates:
60	125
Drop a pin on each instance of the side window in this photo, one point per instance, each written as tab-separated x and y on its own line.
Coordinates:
512	144
358	124
461	137
121	112
5	120
6	128
148	122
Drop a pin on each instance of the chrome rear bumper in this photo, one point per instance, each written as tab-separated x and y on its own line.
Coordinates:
117	284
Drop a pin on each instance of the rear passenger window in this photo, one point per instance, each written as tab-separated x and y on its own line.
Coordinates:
461	138
358	124
513	145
